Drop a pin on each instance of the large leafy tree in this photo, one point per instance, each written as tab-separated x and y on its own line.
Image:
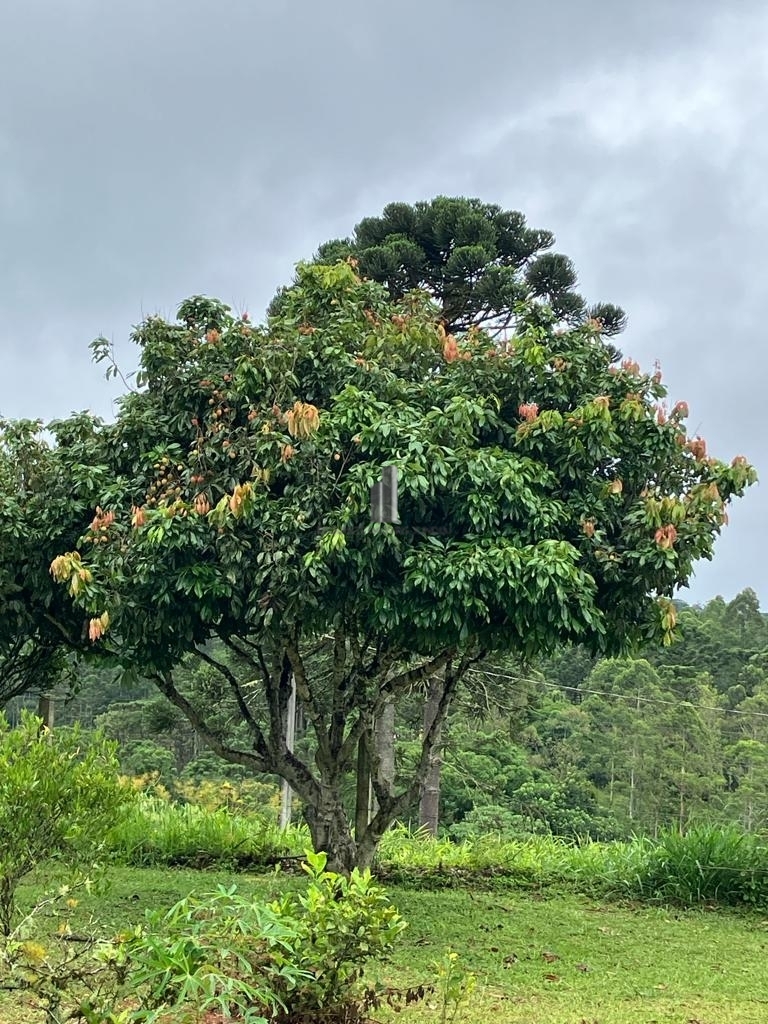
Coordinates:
546	496
475	259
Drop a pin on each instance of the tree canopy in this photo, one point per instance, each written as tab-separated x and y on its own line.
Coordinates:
475	259
547	495
43	505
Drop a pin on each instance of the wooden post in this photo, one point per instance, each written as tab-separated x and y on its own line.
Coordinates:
362	791
290	736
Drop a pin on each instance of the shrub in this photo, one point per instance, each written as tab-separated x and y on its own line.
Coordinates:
218	951
340	924
291	960
59	795
705	864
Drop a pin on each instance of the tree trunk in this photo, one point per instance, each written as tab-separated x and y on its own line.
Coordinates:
329	828
45	708
384	740
322	786
429	805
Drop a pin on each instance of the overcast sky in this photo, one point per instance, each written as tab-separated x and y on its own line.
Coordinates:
155	149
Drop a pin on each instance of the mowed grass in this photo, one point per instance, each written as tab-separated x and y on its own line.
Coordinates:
553	959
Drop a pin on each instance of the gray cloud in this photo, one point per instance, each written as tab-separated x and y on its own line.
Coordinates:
149	151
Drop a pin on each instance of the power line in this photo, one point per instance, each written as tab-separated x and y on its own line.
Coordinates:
622	696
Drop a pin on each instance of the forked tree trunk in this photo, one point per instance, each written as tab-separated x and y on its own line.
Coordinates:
429	805
330	831
322	786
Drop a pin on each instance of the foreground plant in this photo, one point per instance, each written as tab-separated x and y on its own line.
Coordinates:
73	977
288	961
59	795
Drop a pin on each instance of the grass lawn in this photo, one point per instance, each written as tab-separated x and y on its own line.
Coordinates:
554	960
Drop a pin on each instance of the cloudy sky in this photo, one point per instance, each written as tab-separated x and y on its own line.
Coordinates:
155	149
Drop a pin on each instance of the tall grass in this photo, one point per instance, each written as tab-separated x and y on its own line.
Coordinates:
154	832
703	865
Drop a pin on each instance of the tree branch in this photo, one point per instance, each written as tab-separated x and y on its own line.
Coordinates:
419	674
304	694
256	761
242	705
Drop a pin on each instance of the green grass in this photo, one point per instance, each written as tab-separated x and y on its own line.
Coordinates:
611	964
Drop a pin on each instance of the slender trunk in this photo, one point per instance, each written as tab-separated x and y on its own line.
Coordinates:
384	740
631	793
429	805
611	782
45	711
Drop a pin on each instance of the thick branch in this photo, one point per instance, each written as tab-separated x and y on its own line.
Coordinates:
257	761
245	711
304	694
419	674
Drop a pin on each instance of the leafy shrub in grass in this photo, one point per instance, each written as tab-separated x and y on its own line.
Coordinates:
299	958
59	794
157	833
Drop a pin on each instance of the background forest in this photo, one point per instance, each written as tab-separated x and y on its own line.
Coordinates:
571	746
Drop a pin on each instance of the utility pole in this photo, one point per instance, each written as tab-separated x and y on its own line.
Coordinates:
45	710
290	737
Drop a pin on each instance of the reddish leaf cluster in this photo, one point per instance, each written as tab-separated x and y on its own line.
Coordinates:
528	411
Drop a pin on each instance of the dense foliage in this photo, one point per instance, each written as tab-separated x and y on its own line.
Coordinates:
474	259
547	497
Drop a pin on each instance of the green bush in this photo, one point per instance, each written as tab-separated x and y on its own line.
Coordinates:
59	794
218	951
291	960
340	924
704	864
